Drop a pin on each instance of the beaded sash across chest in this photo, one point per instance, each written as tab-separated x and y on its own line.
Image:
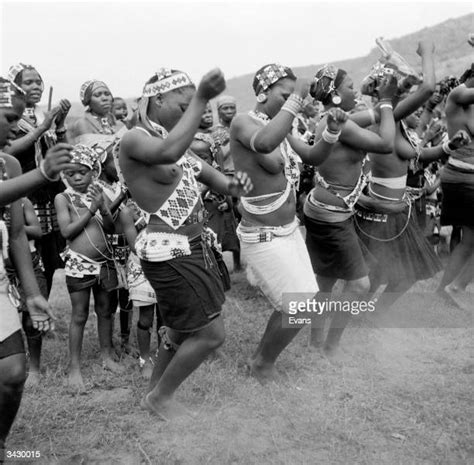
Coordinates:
292	172
179	205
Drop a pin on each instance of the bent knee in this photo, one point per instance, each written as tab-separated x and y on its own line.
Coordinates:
14	371
215	337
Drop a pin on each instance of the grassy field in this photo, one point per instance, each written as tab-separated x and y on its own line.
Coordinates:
405	397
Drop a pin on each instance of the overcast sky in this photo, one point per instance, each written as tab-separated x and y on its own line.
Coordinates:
123	43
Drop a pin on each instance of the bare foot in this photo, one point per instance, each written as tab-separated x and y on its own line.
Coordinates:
335	355
33	379
75	380
128	349
114	367
264	372
146	369
166	410
316	339
446	295
462	298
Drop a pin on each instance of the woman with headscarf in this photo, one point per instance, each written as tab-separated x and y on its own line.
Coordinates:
34	137
271	242
14	243
175	248
386	220
331	238
98	117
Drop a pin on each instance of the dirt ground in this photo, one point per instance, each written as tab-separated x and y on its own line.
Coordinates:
403	397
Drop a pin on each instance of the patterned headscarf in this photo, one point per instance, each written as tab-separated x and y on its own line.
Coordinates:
226	100
163	81
269	75
378	72
326	80
15	73
87	156
8	90
88	88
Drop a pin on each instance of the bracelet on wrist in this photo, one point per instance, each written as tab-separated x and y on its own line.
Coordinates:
293	104
43	172
386	105
330	137
289	110
447	149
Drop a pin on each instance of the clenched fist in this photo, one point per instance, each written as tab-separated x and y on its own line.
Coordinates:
460	139
336	119
302	87
211	85
57	159
240	184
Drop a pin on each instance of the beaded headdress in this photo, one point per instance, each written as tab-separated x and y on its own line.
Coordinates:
269	75
15	70
87	156
326	80
167	80
8	89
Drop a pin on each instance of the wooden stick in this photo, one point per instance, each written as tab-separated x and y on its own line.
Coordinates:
50	98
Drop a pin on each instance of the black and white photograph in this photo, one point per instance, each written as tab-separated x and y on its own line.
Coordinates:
236	232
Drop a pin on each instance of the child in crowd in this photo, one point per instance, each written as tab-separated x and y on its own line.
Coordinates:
84	218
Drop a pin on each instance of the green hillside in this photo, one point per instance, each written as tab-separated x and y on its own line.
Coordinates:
453	56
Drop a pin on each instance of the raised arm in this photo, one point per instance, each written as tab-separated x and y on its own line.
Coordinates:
317	153
267	138
239	185
155	151
56	160
424	91
462	95
18	146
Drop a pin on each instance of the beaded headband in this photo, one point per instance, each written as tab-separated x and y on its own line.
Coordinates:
8	89
269	76
168	80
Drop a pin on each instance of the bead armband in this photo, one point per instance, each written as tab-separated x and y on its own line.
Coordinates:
330	137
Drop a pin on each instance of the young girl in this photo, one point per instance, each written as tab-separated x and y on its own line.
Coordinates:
84	218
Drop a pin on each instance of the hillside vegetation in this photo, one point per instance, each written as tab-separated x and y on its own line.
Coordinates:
453	56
